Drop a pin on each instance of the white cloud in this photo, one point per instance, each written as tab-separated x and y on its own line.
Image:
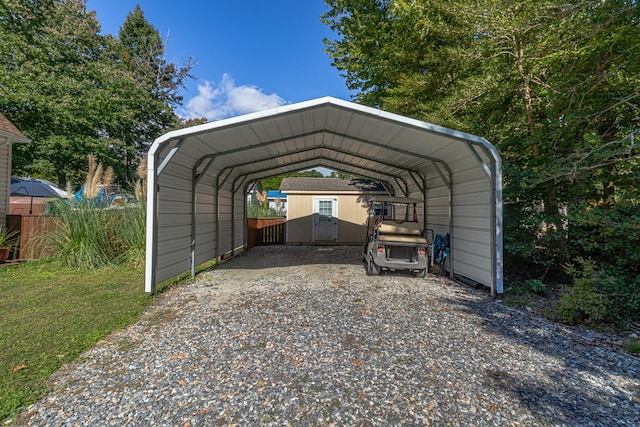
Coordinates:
225	99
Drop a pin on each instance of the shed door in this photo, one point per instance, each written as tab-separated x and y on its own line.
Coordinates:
325	219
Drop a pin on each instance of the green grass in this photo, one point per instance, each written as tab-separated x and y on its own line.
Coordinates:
633	347
50	314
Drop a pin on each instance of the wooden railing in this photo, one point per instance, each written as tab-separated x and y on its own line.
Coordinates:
32	228
266	231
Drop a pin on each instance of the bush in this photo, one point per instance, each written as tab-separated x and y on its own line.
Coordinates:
610	236
598	298
584	303
255	211
93	237
527	241
537	286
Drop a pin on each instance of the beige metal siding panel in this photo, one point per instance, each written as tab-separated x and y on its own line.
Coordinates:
173	250
205	252
174	220
299	218
352	216
224	215
174	232
174	225
480	274
205	243
205	224
475	176
225	237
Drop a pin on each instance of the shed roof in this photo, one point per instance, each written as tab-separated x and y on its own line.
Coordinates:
336	185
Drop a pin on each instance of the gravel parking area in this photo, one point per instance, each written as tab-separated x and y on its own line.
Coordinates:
288	335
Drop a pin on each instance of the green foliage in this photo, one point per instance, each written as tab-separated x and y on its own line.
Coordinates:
537	286
528	240
609	235
134	233
633	347
142	50
597	298
92	237
50	315
256	211
584	303
8	238
76	92
554	85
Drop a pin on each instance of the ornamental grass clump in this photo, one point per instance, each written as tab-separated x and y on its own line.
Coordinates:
87	236
91	234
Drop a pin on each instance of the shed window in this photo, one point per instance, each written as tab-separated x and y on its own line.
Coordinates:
325	209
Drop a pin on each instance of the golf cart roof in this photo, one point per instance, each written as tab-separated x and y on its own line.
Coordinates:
395	200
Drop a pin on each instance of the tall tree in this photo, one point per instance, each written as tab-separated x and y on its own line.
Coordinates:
62	84
554	84
144	55
76	92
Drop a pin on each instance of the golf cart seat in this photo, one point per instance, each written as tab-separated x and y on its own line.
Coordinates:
404	228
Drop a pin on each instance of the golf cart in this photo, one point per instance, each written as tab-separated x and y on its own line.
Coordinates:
396	244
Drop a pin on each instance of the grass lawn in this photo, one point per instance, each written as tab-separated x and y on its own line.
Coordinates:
50	314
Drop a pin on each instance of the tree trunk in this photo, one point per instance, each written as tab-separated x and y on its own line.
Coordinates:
550	199
609	190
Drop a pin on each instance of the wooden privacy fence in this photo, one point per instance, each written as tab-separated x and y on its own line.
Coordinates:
266	231
32	229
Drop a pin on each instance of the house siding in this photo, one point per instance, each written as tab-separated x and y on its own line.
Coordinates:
5	182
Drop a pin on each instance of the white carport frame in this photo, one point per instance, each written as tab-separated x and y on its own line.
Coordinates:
198	178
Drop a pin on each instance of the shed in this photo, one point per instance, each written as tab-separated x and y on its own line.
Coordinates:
328	210
199	177
9	134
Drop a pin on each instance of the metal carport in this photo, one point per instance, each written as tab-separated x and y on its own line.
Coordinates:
198	178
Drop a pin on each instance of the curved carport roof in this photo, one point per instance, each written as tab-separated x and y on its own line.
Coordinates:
198	179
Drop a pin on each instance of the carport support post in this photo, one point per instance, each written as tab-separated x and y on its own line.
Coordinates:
424	206
216	216
152	223
497	224
234	195
194	184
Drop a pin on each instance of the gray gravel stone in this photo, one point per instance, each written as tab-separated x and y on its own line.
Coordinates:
293	335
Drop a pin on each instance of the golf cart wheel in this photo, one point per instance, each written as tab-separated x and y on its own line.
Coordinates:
372	268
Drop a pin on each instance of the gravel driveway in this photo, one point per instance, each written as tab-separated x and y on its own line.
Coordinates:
289	335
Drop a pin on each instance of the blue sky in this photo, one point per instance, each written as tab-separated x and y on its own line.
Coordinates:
252	54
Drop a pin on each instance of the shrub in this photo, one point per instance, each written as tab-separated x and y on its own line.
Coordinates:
92	237
583	303
133	232
608	235
537	286
255	211
633	347
598	298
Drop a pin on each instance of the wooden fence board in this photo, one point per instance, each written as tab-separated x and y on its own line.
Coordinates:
32	229
266	231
